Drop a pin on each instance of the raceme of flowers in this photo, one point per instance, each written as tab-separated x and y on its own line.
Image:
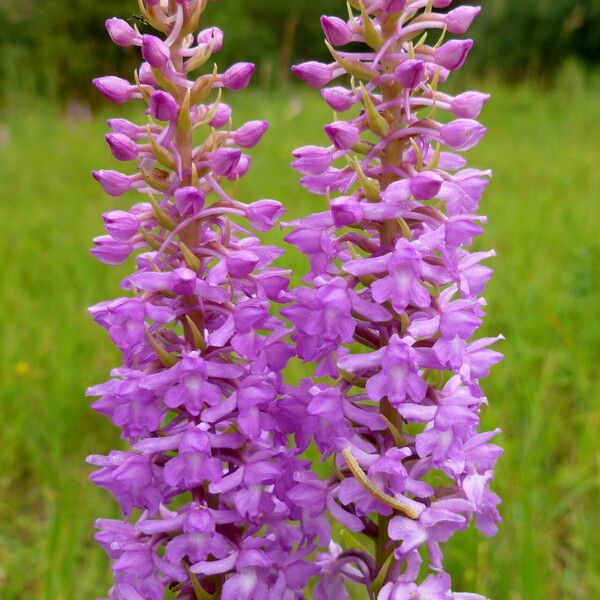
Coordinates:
207	485
393	300
217	499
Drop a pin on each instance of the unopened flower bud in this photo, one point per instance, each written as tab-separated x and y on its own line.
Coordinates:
122	147
452	54
111	251
221	116
238	76
147	76
459	20
342	134
249	134
187	198
163	106
469	105
410	73
224	161
116	89
131	130
180	281
263	214
312	160
336	30
339	98
121	225
314	73
121	32
155	52
432	71
241	168
114	183
213	37
462	134
441	3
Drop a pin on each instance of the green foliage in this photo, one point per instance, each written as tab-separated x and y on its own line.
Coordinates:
55	47
544	211
533	37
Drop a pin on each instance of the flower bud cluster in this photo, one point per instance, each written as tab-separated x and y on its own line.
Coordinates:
208	482
393	300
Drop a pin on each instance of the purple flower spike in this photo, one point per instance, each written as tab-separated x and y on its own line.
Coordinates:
199	397
391	307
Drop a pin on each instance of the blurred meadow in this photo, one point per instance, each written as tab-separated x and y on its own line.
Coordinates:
544	215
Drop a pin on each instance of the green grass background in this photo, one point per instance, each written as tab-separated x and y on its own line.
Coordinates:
544	210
